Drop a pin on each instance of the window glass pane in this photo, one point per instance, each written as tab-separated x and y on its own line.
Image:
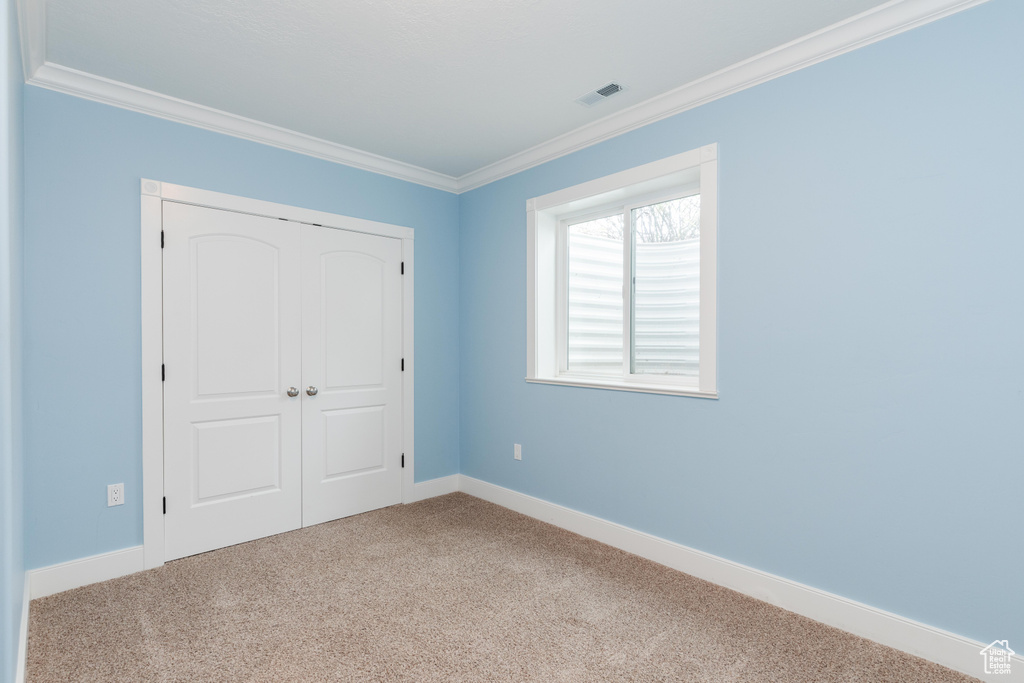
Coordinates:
666	288
594	308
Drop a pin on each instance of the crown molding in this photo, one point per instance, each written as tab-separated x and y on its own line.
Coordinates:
863	29
99	89
32	32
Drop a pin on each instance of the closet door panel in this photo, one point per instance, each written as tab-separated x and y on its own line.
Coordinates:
351	424
352	295
232	347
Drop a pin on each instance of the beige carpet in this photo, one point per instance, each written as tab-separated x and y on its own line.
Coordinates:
450	589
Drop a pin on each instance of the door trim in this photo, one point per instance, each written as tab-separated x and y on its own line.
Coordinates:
154	193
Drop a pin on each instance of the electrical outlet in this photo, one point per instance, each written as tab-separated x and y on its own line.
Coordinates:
115	495
517	452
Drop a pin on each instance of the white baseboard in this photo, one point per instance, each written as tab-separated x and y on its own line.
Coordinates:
26	598
67	575
942	647
434	487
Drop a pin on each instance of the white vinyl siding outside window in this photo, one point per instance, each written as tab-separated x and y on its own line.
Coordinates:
622	280
593	297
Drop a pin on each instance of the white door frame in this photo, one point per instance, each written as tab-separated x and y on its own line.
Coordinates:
154	193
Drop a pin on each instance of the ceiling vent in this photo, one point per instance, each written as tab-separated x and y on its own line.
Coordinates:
599	95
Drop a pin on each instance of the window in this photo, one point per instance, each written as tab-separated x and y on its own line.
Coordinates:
622	280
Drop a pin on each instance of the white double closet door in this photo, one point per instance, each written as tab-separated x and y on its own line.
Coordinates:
257	309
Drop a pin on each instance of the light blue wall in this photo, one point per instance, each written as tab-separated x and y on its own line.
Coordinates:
868	439
870	432
82	321
12	567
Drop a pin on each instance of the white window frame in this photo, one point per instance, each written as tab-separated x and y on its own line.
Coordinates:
548	218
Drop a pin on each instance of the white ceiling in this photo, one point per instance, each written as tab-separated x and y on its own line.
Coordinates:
446	85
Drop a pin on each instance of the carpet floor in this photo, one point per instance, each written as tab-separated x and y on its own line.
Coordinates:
448	589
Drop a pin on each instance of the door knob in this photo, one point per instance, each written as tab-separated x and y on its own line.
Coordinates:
293	391
311	391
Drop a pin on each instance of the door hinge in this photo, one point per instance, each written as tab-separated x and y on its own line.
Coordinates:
165	505
403	365
163	373
403	267
403	460
161	239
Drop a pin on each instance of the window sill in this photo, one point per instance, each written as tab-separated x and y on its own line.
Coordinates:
589	383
